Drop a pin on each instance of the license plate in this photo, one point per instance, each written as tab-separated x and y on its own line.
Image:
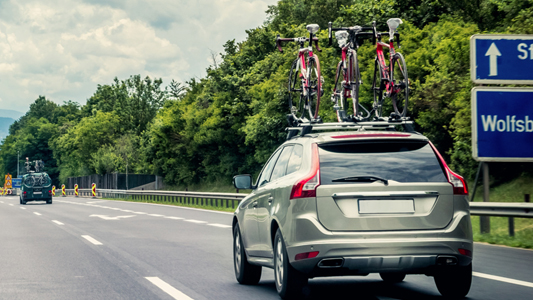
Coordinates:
37	193
386	206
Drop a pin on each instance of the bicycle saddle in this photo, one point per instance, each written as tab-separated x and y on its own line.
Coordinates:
394	23
312	28
342	37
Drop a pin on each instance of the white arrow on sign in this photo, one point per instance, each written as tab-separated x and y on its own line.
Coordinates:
493	52
105	217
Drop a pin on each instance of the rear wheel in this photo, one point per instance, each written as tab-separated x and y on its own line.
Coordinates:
454	282
400	95
245	273
49	201
289	281
314	82
355	80
377	88
296	99
392	277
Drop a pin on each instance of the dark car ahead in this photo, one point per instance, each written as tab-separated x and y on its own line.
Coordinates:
354	203
36	187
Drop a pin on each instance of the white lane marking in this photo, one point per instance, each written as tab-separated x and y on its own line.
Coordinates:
126	210
57	222
503	279
139	213
195	221
23	208
174	218
105	217
1	201
95	202
167	288
155	215
220	225
37	213
11	204
92	240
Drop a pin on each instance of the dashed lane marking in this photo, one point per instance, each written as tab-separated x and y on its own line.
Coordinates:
23	208
11	204
57	222
174	218
503	279
155	215
220	225
92	240
140	213
167	288
195	221
37	213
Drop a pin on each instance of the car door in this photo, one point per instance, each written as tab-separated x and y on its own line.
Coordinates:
264	205
250	229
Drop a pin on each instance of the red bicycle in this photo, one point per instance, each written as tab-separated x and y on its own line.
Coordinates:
305	81
390	81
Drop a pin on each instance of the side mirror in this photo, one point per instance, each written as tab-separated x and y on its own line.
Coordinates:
242	182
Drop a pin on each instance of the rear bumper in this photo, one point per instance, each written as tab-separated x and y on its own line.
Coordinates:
412	252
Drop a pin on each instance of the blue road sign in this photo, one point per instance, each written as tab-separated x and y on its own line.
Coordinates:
502	124
501	59
16	183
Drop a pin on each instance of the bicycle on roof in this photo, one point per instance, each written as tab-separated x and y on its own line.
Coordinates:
305	80
348	85
389	81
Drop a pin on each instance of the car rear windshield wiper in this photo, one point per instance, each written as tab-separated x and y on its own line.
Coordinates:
361	179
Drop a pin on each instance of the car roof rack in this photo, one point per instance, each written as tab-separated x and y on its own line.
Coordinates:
382	124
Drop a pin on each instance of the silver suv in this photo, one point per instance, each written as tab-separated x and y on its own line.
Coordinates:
354	203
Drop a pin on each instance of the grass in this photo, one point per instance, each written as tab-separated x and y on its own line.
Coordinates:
512	191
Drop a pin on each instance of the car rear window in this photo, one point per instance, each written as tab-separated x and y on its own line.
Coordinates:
388	159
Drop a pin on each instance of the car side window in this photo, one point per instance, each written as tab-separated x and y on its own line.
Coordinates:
281	166
264	178
295	161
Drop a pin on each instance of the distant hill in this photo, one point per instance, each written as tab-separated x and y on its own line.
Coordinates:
4	126
8	113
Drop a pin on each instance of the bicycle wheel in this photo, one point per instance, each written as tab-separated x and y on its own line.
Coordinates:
400	94
296	101
314	81
354	78
377	88
338	94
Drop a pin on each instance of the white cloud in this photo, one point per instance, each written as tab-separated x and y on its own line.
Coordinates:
62	49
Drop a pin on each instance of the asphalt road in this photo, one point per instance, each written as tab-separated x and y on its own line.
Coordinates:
81	248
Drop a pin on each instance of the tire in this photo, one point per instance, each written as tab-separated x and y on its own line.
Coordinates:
296	99
400	96
23	202
288	281
49	201
392	277
315	88
245	273
377	88
454	282
355	79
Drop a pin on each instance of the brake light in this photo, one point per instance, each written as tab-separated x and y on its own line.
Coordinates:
370	135
306	255
306	187
24	193
465	252
457	181
50	192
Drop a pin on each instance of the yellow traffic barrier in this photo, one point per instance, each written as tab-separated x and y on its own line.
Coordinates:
63	192
53	190
1	191
76	190
94	190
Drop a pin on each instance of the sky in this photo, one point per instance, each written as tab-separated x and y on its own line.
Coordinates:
63	49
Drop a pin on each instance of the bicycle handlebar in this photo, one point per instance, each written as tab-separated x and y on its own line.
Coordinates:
353	28
279	40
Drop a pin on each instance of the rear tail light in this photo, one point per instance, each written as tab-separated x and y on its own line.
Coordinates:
24	193
465	252
50	192
457	181
306	255
306	187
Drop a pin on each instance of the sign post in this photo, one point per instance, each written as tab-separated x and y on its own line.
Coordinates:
93	189
53	190
63	192
76	190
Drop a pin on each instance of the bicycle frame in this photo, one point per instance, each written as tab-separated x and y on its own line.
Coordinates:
386	71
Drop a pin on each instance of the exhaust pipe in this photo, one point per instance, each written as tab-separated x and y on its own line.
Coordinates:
331	263
446	260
